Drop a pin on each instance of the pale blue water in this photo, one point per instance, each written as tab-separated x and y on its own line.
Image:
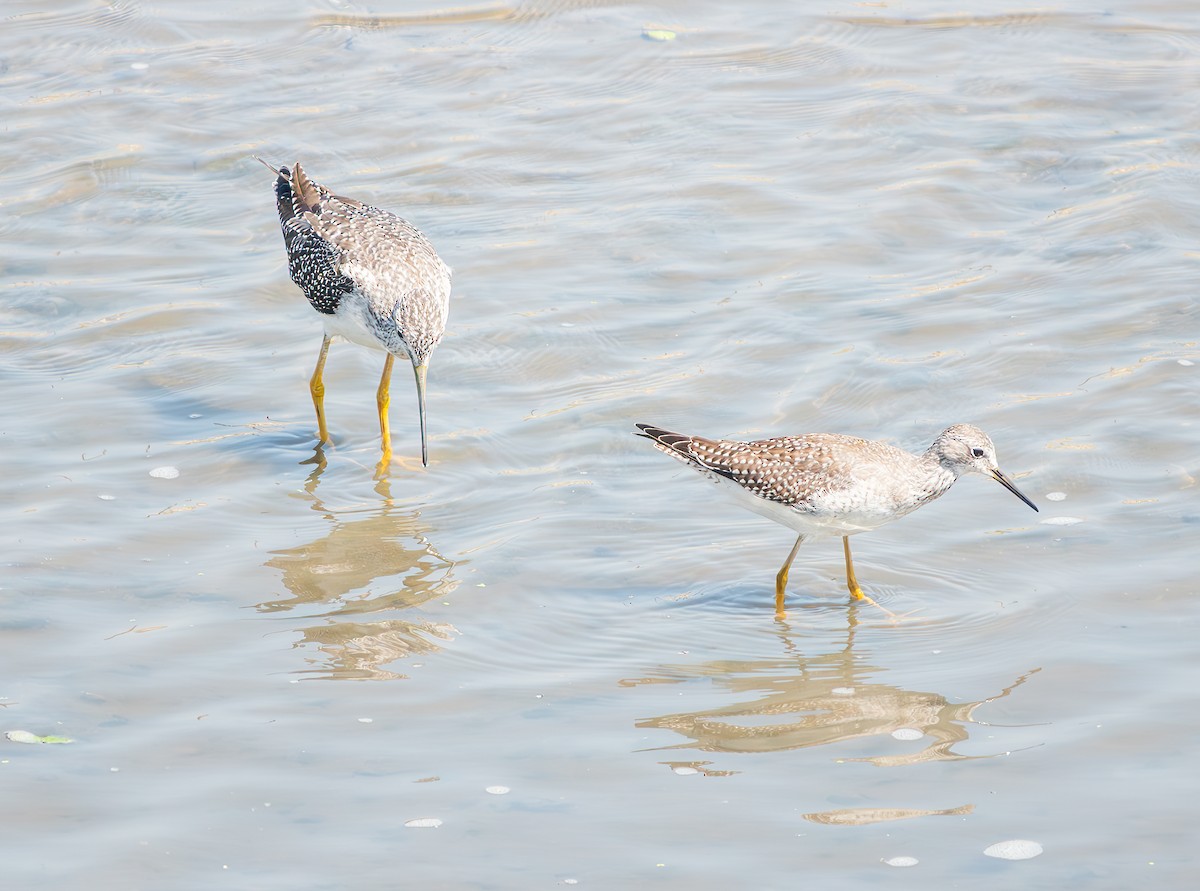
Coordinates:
875	219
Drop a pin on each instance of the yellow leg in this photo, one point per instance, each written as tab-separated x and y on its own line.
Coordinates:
316	386
782	576
382	398
852	583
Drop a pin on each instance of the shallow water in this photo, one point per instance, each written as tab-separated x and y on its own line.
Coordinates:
876	219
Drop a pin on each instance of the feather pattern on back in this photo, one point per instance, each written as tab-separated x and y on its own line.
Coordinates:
339	247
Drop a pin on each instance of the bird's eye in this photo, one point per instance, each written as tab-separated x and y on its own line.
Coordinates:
976	453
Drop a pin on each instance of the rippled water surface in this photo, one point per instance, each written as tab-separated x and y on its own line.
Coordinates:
737	220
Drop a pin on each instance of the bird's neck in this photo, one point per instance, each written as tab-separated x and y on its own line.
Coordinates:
936	475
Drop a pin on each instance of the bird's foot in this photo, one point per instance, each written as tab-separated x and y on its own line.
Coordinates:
893	618
900	618
384	466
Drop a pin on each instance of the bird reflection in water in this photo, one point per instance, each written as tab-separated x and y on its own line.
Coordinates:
801	702
374	560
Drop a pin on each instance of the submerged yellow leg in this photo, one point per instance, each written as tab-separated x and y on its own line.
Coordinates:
782	576
382	398
852	583
316	386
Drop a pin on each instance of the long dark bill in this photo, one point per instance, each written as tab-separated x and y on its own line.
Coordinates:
1008	484
419	371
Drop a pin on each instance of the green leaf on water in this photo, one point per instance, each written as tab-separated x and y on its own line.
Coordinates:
24	736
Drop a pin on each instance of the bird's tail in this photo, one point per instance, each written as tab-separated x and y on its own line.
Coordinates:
676	445
295	194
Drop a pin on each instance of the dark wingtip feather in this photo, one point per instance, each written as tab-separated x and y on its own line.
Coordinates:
680	446
649	431
676	442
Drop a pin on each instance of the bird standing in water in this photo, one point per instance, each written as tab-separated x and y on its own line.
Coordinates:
373	277
830	484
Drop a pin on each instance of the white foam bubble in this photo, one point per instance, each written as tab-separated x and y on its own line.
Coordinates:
1014	849
423	823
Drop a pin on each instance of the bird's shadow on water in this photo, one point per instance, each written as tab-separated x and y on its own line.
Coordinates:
295	442
816	695
277	443
359	581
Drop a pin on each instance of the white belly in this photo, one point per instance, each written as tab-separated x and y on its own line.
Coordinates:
846	522
353	321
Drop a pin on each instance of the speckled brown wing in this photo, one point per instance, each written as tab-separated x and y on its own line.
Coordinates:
787	470
397	268
370	236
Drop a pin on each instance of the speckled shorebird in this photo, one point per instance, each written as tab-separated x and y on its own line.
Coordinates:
375	279
830	484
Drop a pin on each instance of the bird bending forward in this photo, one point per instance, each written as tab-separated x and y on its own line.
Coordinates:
373	277
830	484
